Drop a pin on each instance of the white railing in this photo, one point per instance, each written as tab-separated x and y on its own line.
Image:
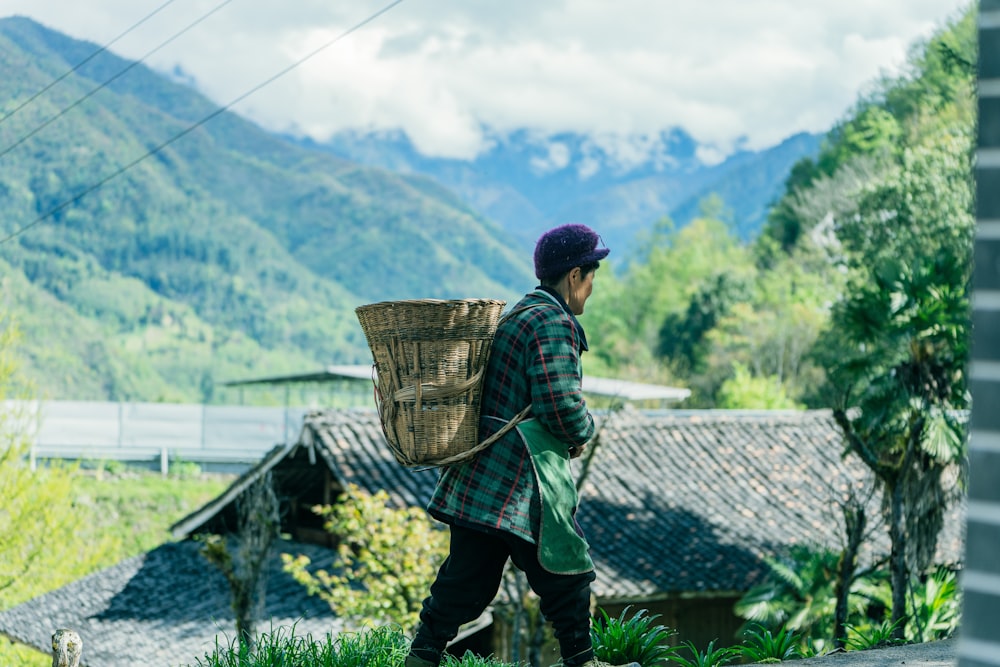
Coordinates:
156	432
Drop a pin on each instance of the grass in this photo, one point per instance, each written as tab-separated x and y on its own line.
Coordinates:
381	646
139	506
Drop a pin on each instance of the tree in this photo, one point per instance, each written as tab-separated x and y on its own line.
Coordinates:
798	593
682	335
45	534
744	391
386	559
258	525
897	347
669	268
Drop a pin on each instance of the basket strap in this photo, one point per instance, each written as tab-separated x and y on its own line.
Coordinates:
433	391
504	430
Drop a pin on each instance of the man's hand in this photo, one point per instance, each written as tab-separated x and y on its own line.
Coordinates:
574	452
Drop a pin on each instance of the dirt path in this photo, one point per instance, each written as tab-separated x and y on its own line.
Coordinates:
931	654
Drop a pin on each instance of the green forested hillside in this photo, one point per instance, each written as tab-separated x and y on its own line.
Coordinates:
862	267
230	253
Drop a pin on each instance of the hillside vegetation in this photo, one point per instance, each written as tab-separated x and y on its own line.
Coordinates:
871	238
229	253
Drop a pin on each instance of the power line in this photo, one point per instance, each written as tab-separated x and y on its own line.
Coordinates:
192	128
87	60
133	64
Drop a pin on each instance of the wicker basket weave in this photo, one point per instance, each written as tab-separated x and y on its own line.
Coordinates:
430	356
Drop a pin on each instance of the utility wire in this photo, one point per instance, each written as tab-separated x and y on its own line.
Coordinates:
153	151
86	60
133	64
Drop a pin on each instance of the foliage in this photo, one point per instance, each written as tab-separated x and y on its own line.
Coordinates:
376	647
798	594
762	646
626	314
122	515
472	660
873	635
898	345
710	657
622	640
45	534
796	602
682	335
18	655
743	391
379	646
934	607
137	507
258	526
387	559
58	523
888	202
695	299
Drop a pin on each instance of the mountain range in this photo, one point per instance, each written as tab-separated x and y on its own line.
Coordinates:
528	183
155	246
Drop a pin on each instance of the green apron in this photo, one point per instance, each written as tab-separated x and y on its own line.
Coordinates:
561	550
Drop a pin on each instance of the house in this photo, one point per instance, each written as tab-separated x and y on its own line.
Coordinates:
681	510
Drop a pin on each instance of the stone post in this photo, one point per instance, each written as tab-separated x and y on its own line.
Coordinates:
67	647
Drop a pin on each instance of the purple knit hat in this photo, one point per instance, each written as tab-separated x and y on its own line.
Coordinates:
566	247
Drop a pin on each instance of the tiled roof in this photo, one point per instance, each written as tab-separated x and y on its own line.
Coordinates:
692	502
675	502
163	609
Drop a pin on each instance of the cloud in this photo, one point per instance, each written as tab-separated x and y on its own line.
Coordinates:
731	72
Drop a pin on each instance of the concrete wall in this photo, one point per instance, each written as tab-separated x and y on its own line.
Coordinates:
979	638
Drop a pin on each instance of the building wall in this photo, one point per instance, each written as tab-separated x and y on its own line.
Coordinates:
698	620
979	637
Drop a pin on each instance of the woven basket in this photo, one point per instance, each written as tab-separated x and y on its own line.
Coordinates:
430	356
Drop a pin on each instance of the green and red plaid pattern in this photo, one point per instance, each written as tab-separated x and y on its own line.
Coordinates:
535	358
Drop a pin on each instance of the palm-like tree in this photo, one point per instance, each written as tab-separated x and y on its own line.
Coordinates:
798	594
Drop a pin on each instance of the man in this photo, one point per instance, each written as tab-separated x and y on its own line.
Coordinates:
517	498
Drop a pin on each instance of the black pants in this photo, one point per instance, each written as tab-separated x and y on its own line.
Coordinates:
470	578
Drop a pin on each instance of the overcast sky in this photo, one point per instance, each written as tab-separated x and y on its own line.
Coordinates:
731	72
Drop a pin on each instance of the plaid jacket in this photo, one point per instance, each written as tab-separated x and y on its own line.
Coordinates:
535	358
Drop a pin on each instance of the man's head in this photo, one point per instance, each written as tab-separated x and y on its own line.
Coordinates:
566	258
565	247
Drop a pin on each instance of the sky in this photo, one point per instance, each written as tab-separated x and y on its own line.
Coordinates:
454	74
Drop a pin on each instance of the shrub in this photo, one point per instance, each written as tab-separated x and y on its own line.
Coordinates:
710	657
762	646
620	640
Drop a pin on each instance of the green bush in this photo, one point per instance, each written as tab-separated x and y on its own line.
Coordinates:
710	657
620	640
761	646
